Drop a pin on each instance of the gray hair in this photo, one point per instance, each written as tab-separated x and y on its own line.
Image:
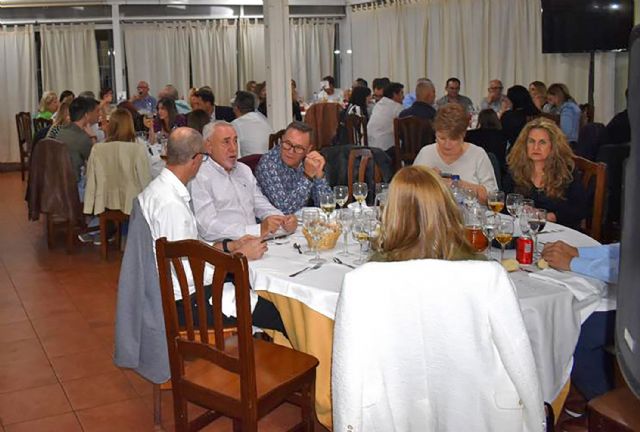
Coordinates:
210	128
171	92
425	82
87	94
183	144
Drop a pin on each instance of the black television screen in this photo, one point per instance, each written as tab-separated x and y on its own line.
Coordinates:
570	26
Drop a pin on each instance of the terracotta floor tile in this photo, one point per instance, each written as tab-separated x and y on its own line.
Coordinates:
11	313
59	324
74	341
141	385
25	374
16	331
98	390
61	423
31	404
21	350
82	365
126	416
48	307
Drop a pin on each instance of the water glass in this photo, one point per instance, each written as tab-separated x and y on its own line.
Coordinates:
342	195
345	217
514	202
489	225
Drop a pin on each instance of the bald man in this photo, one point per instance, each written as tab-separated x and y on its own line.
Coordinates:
142	100
423	105
494	98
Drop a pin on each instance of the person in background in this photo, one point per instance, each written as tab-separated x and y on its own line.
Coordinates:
380	126
251	86
169	91
48	105
451	155
204	99
378	85
495	99
295	100
77	135
252	127
360	82
197	120
422	221
66	96
619	129
453	95
292	173
489	136
106	98
261	91
120	126
138	119
424	97
62	119
522	108
538	92
563	104
329	92
167	119
410	98
541	167
359	101
142	100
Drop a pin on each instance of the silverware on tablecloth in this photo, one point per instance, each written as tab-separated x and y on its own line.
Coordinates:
315	267
298	248
339	261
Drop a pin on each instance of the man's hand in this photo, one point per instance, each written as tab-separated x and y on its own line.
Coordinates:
271	224
314	165
559	255
551	217
290	223
251	247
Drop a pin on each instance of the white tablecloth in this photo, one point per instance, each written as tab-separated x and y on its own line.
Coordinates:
551	312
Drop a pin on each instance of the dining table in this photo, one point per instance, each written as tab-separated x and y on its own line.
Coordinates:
553	304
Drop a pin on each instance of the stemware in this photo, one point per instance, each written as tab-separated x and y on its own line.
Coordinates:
360	192
309	217
489	224
504	234
469	198
473	221
537	219
327	203
514	202
345	217
360	233
495	201
342	195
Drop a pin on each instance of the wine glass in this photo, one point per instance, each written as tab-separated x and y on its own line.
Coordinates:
374	229
345	217
504	234
473	221
381	188
360	233
308	215
495	201
489	224
342	195
315	227
360	192
469	198
327	203
514	202
537	219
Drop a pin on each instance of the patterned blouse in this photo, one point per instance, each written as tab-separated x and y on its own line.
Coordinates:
288	189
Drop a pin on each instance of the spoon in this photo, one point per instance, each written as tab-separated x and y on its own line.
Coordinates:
298	248
339	261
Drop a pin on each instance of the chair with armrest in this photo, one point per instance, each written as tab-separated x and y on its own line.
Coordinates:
361	160
276	138
238	377
23	123
410	134
594	181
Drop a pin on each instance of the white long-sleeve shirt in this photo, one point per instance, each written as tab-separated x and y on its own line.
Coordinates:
226	204
253	131
380	126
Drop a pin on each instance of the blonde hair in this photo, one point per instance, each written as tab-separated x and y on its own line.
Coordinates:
421	219
62	115
558	168
121	126
452	119
560	90
46	100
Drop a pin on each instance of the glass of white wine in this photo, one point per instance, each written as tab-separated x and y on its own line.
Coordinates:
360	192
360	233
495	201
504	234
327	203
342	195
489	229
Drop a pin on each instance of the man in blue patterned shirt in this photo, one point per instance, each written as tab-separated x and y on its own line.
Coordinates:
291	173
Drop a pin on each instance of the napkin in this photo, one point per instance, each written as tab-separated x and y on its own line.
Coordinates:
580	286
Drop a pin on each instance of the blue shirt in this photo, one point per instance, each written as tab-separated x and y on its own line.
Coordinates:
148	103
599	262
288	189
409	99
570	114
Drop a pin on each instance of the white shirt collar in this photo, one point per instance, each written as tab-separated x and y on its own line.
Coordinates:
170	178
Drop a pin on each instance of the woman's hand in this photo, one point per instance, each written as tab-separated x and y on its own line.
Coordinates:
551	217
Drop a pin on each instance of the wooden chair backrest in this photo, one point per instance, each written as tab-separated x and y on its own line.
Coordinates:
191	341
40	123
410	134
595	172
366	156
25	134
357	130
323	118
275	138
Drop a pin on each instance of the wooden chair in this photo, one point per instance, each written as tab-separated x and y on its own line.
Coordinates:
251	161
357	130
615	411
366	156
23	123
596	172
238	377
410	134
323	118
117	218
40	123
275	138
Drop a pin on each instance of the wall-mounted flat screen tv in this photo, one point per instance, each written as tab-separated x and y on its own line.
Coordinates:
570	26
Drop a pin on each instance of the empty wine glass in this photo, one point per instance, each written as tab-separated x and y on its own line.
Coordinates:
345	217
470	197
315	227
495	201
327	203
514	202
342	195
360	192
489	224
504	234
308	216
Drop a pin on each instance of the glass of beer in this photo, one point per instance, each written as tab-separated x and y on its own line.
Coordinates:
473	221
495	201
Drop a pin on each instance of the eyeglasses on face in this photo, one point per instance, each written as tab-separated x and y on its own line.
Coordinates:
205	156
288	145
495	88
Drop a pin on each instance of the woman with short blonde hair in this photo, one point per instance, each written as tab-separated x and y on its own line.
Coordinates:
121	126
421	219
48	105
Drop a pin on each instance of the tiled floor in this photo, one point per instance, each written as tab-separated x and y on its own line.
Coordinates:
56	331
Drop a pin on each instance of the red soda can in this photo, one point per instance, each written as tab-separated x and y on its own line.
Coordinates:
524	250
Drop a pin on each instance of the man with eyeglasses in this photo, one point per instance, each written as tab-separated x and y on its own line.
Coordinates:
495	98
142	100
453	96
226	198
292	173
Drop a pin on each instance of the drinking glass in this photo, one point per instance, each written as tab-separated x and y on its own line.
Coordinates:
327	203
537	219
381	188
375	229
345	217
495	201
360	233
473	221
514	202
469	197
489	229
316	227
504	234
342	195
308	216
360	192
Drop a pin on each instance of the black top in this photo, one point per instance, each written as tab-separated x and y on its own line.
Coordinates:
512	124
225	113
570	210
618	129
419	109
492	141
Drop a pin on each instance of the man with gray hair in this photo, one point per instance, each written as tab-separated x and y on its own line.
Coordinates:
425	96
169	91
165	205
252	126
495	98
410	98
226	197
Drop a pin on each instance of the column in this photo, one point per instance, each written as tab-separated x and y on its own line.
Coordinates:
278	62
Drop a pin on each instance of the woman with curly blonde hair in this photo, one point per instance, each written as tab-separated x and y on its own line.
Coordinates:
541	167
421	220
48	105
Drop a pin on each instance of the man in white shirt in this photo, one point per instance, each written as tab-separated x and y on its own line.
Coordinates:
226	197
165	204
329	92
252	127
380	126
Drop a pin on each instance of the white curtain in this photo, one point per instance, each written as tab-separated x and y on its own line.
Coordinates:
251	47
312	46
476	41
159	54
18	85
69	58
213	57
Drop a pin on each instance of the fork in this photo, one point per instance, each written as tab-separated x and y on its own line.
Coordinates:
315	267
339	261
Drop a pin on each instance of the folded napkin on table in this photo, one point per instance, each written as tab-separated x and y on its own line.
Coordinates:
580	286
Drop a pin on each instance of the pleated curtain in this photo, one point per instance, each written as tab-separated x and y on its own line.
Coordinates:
252	65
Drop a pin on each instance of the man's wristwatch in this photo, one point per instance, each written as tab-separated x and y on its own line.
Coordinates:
225	245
